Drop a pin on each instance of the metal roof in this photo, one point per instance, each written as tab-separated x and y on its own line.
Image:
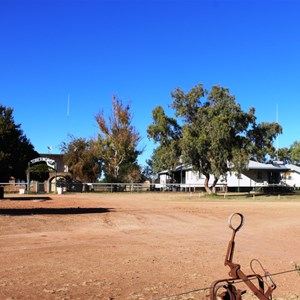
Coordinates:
255	165
252	165
293	168
177	169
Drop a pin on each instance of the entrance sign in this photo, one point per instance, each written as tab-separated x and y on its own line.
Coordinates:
50	162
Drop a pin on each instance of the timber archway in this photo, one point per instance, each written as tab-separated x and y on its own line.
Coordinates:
55	169
53	178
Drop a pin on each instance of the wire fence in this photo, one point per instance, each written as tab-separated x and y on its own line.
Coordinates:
203	293
76	186
56	186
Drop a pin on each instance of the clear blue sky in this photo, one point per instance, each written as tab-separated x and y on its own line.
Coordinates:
140	51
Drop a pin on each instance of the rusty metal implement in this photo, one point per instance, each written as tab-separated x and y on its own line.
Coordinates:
225	289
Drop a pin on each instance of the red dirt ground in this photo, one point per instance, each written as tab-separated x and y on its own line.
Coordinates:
140	245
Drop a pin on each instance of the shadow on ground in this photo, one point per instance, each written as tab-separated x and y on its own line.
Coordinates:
52	211
28	198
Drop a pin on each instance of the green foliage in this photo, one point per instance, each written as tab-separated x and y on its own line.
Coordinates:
261	138
291	154
81	158
168	134
148	172
117	144
15	149
214	132
295	153
39	172
216	135
130	172
71	184
283	154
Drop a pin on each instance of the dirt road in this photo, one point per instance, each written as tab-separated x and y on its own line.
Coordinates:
140	245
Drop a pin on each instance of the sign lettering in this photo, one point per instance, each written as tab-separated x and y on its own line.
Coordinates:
50	162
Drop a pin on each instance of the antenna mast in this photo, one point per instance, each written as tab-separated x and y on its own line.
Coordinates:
68	105
277	123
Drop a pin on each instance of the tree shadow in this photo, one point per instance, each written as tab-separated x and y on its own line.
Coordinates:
52	211
28	198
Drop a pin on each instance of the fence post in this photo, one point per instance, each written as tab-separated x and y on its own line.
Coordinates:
1	192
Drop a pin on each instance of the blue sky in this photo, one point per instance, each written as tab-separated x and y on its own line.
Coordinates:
140	51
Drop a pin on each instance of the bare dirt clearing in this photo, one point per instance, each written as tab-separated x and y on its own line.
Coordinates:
140	245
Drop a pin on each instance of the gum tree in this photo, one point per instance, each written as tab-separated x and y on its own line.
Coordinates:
81	158
217	136
117	143
16	149
166	132
295	153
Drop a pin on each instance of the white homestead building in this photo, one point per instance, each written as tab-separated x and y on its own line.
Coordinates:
257	175
292	177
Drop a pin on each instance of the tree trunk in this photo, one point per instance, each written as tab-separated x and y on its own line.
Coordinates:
213	186
207	188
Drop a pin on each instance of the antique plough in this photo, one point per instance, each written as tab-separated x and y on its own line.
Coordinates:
262	286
